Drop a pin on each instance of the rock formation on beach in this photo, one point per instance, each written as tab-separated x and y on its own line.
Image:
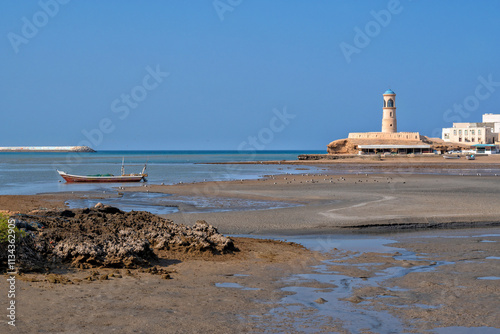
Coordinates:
105	236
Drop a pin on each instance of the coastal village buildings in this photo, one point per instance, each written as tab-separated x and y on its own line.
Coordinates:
485	132
389	141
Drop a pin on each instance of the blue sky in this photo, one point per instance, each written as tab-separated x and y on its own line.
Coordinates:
241	74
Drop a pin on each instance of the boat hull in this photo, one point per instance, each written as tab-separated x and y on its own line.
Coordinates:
101	179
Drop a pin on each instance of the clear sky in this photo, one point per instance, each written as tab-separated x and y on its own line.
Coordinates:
240	74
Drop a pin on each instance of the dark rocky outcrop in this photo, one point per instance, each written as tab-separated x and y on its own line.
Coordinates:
107	237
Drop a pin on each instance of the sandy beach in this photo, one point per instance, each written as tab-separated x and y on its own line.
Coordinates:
443	230
330	203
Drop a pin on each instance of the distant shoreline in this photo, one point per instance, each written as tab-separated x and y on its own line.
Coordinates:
424	160
47	149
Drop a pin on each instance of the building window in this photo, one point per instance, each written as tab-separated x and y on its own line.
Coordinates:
460	132
473	139
390	103
391	124
478	132
455	132
390	114
466	132
472	132
385	105
460	139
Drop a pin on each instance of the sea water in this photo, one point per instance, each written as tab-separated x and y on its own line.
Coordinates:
25	173
35	172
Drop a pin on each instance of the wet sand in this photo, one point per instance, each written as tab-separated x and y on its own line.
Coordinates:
131	301
332	203
52	201
418	282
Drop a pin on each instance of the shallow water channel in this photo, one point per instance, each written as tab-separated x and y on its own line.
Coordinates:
324	300
161	204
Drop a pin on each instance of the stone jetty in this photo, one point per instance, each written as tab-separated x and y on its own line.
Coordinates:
46	149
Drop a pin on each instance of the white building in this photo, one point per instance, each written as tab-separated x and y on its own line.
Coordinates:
493	118
486	132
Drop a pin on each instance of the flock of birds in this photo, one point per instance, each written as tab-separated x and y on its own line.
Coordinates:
330	179
312	180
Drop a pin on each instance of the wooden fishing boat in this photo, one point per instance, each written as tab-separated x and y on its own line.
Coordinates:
70	178
451	156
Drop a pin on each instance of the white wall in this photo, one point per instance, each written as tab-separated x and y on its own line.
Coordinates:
493	118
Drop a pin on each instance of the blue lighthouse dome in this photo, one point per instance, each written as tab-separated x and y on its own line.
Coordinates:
389	91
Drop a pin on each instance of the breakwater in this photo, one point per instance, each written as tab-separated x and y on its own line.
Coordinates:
46	149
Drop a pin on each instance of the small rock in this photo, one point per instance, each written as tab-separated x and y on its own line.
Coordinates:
407	264
321	301
355	299
166	276
52	279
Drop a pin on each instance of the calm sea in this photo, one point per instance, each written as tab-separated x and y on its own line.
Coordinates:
35	172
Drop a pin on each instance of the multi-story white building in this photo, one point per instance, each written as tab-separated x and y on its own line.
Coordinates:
486	132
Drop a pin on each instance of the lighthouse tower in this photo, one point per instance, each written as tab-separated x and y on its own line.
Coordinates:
389	123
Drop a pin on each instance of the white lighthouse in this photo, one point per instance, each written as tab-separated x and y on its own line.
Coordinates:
389	122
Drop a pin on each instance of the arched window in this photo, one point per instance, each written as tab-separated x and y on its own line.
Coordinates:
384	104
390	114
390	103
